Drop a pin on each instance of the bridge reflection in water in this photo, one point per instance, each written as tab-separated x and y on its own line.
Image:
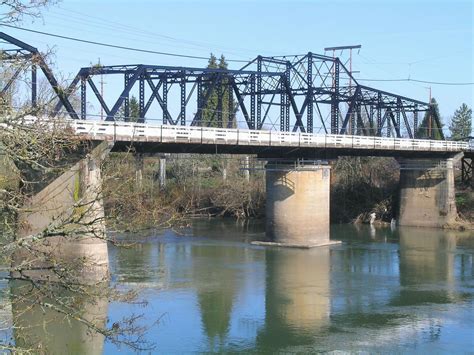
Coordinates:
427	267
379	288
40	327
297	297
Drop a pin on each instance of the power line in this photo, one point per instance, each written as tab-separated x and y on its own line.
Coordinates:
120	47
206	58
419	81
131	29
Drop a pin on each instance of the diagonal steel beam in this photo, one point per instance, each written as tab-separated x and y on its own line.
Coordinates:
133	79
97	94
156	94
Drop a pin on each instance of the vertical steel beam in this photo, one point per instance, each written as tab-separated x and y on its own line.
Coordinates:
33	86
219	106
83	98
389	124
141	99
252	101
165	99
230	105
183	98
415	122
379	114
287	107
126	101
282	103
259	92
199	101
309	112
335	99
397	122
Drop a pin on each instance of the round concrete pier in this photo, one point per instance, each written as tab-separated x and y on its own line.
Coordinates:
426	193
297	207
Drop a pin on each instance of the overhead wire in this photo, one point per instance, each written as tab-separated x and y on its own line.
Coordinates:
133	36
206	58
178	55
134	30
421	81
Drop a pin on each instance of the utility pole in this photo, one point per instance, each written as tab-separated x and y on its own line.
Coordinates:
101	93
342	48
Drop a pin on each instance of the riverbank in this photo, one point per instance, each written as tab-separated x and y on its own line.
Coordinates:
211	186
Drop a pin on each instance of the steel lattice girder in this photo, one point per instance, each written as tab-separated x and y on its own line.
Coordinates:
306	88
324	80
32	58
162	78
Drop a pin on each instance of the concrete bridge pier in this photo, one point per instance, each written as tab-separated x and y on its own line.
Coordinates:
426	193
66	221
297	207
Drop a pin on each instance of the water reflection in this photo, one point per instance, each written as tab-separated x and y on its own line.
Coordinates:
427	264
141	262
217	281
229	229
38	325
393	291
297	297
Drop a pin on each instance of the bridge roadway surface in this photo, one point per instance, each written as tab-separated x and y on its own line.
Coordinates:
146	138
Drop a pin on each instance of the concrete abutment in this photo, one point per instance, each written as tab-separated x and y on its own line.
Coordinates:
64	224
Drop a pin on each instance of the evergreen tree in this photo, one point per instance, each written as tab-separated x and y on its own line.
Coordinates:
423	130
133	111
217	105
461	124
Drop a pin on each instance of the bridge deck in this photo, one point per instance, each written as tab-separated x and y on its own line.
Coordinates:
271	143
185	139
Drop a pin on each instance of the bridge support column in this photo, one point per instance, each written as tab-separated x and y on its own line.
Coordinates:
162	172
297	207
66	219
426	193
139	171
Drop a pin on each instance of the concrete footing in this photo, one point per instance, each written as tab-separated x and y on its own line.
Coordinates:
297	207
426	193
64	225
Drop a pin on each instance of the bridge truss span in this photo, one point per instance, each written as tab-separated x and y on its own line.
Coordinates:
308	93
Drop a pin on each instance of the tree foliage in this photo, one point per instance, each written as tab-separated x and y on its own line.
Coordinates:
133	111
428	126
461	123
220	108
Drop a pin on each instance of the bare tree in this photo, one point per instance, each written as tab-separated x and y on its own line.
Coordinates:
16	10
46	289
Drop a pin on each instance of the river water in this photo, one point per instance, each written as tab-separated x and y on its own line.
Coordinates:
209	290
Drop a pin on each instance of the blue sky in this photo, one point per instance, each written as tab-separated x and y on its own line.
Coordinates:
426	40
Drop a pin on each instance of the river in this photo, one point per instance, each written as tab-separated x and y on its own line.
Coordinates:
209	290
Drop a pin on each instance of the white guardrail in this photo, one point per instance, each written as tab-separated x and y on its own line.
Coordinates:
142	132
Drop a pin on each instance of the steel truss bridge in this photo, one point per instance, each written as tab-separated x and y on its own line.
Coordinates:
305	93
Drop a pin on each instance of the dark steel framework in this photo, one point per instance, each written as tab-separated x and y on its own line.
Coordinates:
20	57
305	92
